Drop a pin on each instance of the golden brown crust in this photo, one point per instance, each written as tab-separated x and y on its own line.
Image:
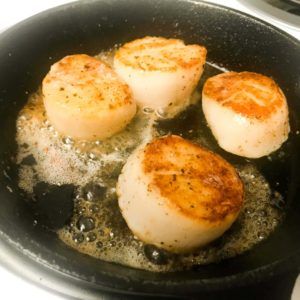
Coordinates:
250	94
160	54
199	183
87	82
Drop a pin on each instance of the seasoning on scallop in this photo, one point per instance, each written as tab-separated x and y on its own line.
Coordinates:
181	196
247	113
162	73
85	99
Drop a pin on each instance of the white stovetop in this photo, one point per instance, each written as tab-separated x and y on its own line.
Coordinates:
11	12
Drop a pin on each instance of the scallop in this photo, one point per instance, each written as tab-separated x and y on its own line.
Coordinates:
246	112
85	99
161	72
177	195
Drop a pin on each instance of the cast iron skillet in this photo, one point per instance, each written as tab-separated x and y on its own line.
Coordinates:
235	41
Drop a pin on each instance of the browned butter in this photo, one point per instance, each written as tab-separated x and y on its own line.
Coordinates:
97	227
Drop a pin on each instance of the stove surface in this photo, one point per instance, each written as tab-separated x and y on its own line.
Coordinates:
286	13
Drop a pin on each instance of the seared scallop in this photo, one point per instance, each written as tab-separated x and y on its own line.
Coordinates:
162	73
85	99
247	113
177	195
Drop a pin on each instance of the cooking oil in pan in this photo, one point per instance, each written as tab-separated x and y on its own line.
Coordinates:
97	227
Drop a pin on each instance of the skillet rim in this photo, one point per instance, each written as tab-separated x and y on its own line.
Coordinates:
201	2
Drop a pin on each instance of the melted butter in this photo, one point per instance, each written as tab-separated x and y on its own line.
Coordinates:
97	227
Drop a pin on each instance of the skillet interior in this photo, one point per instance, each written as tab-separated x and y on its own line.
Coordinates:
233	40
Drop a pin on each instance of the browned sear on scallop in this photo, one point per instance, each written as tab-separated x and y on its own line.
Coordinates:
198	182
250	94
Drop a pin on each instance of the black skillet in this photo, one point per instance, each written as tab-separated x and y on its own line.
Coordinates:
235	41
